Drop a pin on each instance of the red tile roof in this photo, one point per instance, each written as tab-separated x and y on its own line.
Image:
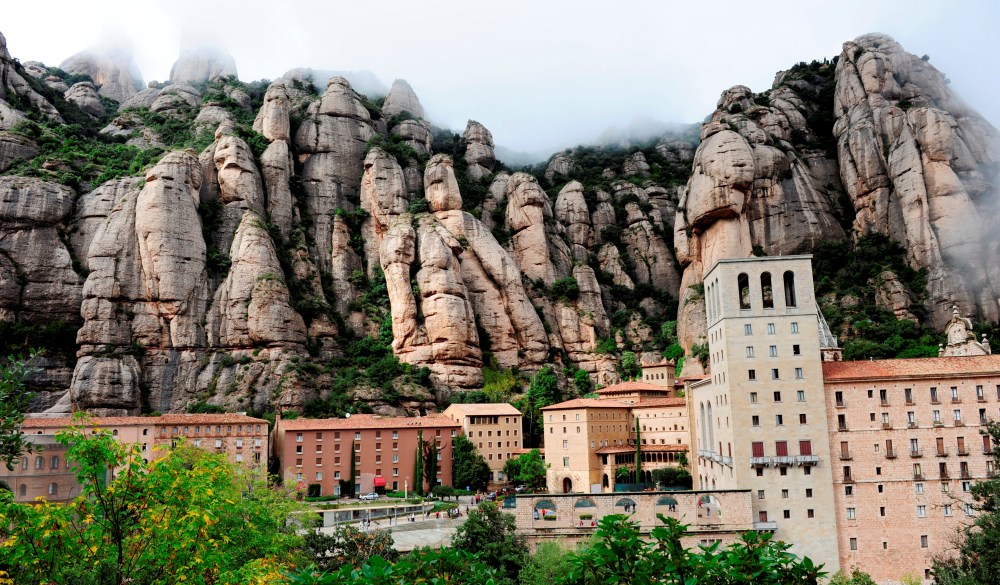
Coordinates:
659	402
367	421
634	386
587	403
38	422
499	409
986	365
212	419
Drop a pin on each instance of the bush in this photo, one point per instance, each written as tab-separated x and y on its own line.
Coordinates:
565	289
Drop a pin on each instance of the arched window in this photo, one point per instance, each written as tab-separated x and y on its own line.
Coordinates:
24	463
711	428
789	278
585	503
54	462
743	285
718	297
114	433
704	428
766	292
39	462
53	488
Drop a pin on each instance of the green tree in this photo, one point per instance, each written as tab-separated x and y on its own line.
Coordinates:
430	455
630	368
491	535
855	578
189	515
619	554
672	476
978	557
434	566
543	390
349	546
469	468
549	564
418	464
527	468
14	401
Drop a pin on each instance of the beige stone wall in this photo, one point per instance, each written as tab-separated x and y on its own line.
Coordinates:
794	490
572	438
887	528
722	515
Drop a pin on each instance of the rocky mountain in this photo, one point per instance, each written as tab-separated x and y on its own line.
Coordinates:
207	243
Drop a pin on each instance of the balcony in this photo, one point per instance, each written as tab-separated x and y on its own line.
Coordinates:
704	454
942	452
884	402
956	400
760	461
840	404
807	460
784	460
727	461
980	399
959	423
916	452
848	478
842	426
846	456
716	457
938	423
909	402
886	425
964	474
962	452
890	453
912	424
918	476
765	526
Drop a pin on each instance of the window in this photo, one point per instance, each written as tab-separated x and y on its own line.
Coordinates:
936	416
954	393
881	511
947	509
934	396
784	470
395	458
239	457
908	395
766	292
319	476
755	420
298	437
809	492
796	350
773	351
757	448
565	444
921	511
800	395
919	488
743	285
854	544
957	414
799	374
751	374
802	418
566	462
779	420
760	494
770	328
753	397
851	516
848	490
979	394
218	443
54	462
787	514
795	327
781	448
777	396
53	488
395	472
357	436
774	374
749	351
923	541
784	494
748	330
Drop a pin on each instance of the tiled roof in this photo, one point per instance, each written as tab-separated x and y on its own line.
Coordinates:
632	387
645	449
657	402
917	367
124	421
367	421
587	403
500	409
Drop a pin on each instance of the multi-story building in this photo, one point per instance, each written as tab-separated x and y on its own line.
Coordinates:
760	417
48	473
659	372
318	453
495	430
905	437
588	439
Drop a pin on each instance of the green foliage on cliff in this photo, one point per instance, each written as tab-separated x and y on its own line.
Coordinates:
847	276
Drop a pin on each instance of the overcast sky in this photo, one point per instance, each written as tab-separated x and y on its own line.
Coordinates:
539	74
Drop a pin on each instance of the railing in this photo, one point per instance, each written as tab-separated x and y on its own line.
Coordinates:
916	452
959	423
935	401
886	425
939	423
765	526
909	402
942	452
842	426
918	476
840	404
760	461
848	478
845	456
912	424
962	451
783	460
726	460
704	453
980	399
944	474
964	474
807	460
884	402
956	400
890	454
716	457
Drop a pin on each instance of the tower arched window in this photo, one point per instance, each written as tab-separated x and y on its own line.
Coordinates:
766	292
789	282
743	285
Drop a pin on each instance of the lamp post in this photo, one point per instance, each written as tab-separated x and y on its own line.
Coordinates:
406	485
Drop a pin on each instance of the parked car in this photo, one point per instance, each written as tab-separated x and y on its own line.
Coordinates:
520	488
371	496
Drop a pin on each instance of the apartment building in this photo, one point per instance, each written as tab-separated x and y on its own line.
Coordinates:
317	453
907	447
48	473
760	417
495	430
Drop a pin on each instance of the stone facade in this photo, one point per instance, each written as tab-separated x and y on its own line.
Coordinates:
570	519
760	418
905	437
495	430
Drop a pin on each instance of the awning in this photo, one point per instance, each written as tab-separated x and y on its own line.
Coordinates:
379	482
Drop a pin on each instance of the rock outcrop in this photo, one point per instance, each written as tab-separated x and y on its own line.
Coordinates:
84	95
402	98
202	64
113	70
478	150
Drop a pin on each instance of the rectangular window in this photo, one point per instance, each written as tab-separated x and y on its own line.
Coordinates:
957	414
751	374
800	395
781	448
298	438
795	327
760	494
934	396
770	328
851	516
923	541
748	330
753	397
566	462
954	393
799	374
749	351
357	436
565	444
796	350
802	418
774	374
755	420
921	511
908	395
777	396
779	420
757	448
773	351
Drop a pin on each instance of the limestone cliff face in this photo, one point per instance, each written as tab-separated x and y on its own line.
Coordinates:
244	274
113	70
920	167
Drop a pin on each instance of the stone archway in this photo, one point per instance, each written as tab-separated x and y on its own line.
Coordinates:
605	482
567	485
